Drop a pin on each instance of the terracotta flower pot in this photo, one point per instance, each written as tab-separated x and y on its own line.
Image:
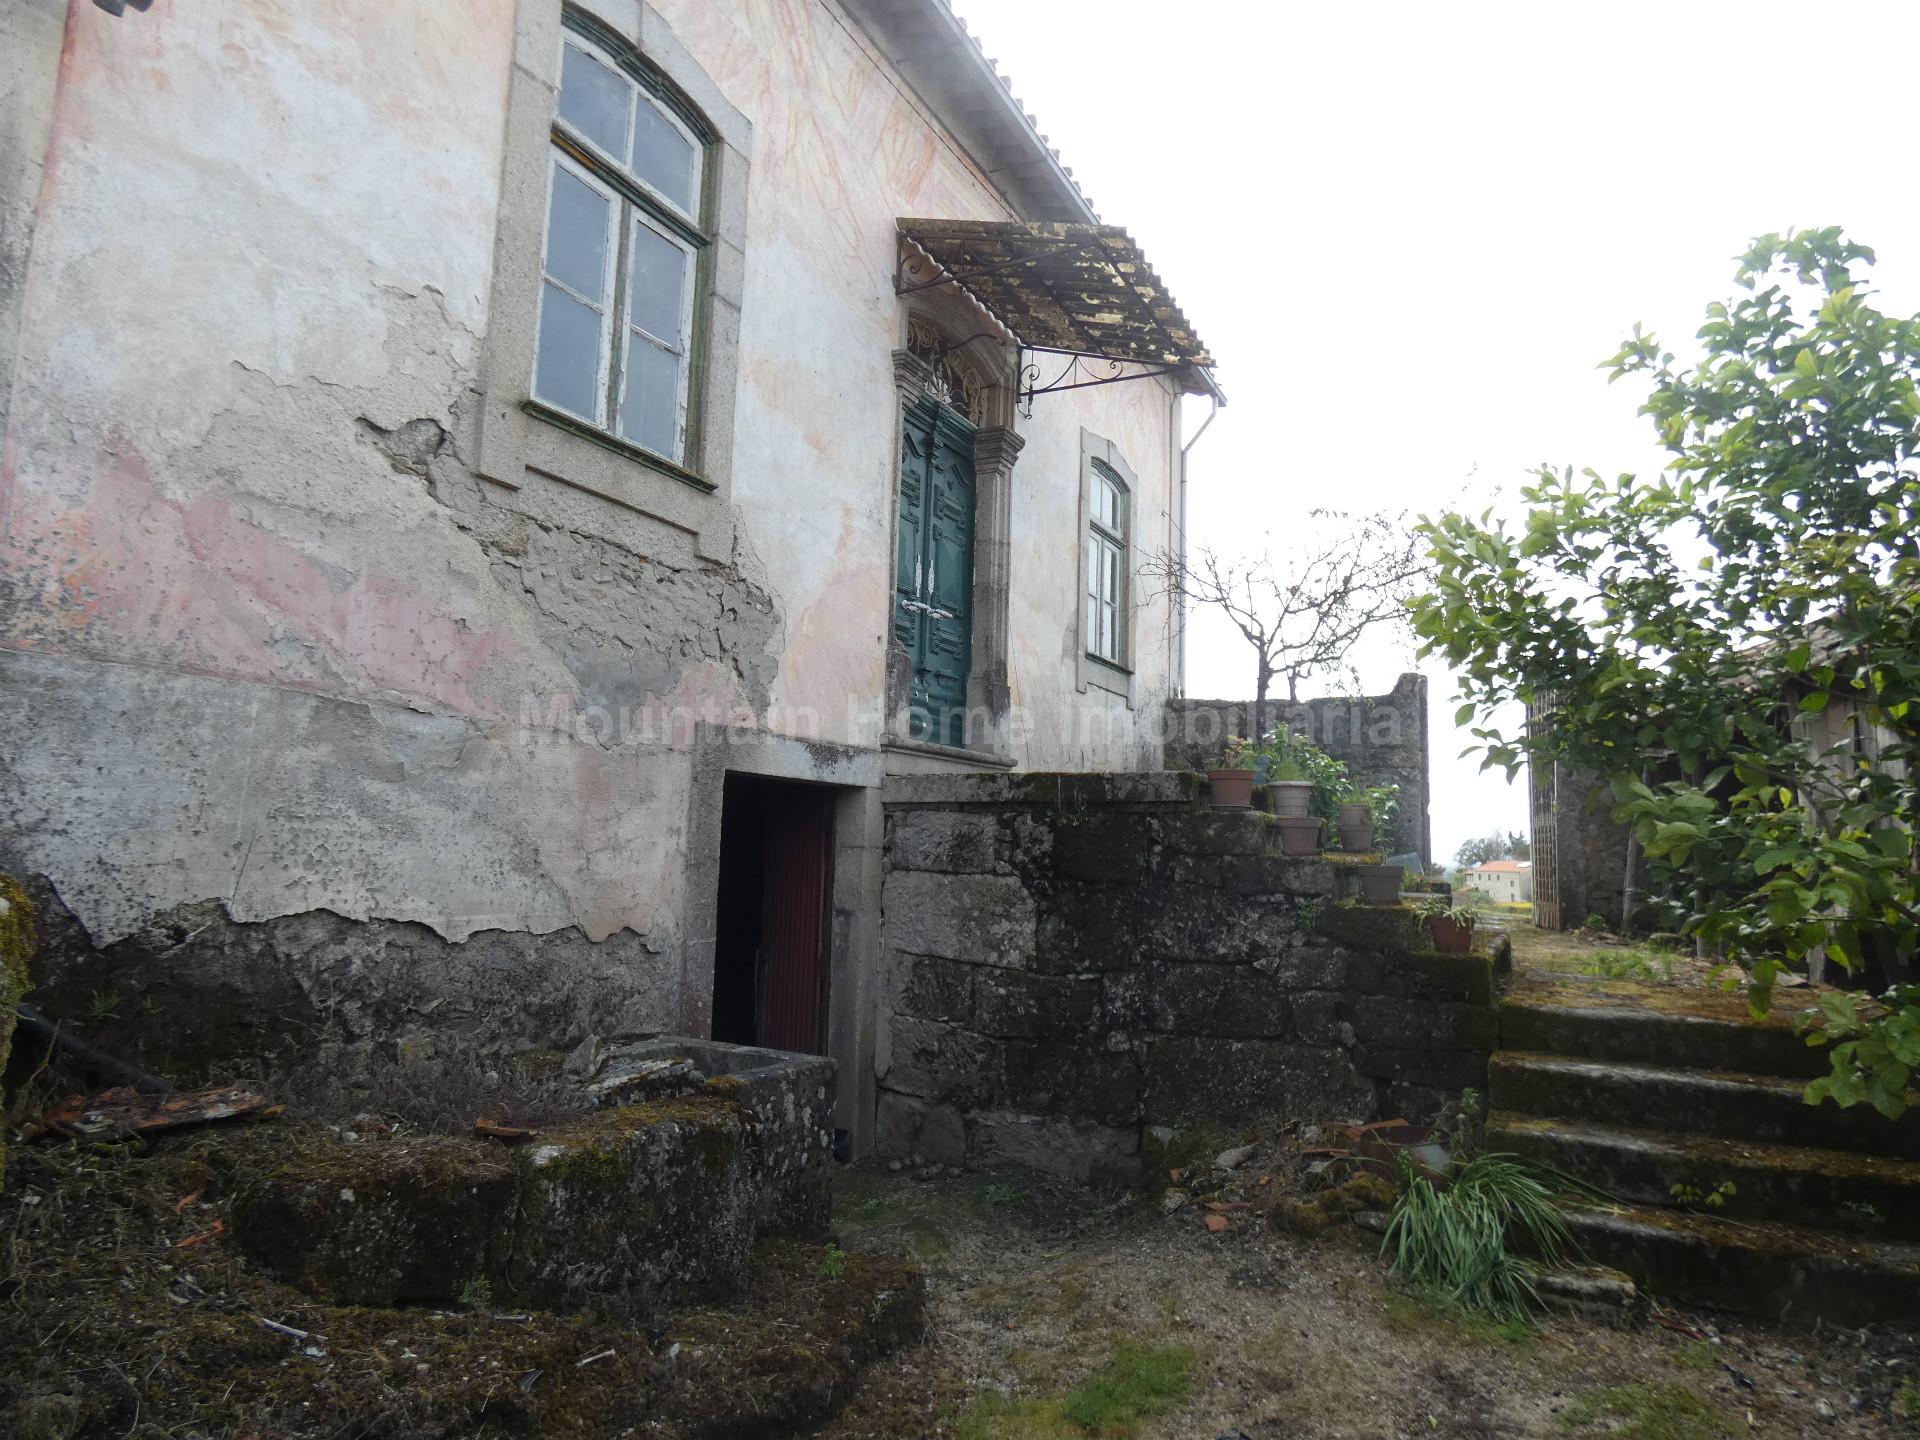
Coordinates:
1356	828
1379	884
1300	834
1450	936
1290	798
1230	789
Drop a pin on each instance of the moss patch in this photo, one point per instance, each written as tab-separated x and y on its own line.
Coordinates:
152	1333
1648	1412
1136	1383
1314	1214
16	948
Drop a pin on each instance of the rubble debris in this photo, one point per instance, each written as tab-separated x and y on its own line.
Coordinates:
505	1134
645	1080
124	1112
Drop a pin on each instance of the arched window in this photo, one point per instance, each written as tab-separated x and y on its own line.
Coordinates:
625	234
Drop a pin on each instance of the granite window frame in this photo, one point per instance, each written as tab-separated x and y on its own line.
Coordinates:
520	436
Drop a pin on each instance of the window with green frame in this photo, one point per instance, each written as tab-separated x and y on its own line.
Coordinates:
621	266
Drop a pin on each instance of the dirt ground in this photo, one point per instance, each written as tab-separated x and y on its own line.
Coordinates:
1033	1290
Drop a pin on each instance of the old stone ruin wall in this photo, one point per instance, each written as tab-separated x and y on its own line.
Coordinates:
1072	959
1382	739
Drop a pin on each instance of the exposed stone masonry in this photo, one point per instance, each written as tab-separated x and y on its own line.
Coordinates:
1071	958
1382	739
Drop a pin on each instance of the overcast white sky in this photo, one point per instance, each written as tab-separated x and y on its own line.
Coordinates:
1409	232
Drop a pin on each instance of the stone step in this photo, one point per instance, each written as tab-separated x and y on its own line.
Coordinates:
1767	1109
1781	1272
1571	1021
1865	1195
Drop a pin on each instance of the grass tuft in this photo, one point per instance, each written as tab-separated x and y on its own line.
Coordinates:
1648	1412
1452	1244
1632	963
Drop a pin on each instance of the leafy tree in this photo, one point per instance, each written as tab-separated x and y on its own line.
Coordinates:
1492	847
1702	622
1303	608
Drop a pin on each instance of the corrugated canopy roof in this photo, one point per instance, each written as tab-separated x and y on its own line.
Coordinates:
1076	289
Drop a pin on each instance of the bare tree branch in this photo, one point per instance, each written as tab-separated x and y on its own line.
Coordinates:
1303	609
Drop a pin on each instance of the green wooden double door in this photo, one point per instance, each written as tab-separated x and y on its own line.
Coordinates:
933	573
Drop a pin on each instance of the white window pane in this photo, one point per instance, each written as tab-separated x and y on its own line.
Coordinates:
567	372
657	284
577	235
662	156
650	409
594	100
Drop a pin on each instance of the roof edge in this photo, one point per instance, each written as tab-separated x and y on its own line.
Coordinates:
929	46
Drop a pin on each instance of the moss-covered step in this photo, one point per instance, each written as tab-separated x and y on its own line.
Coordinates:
378	1221
643	1202
1372	927
1867	1195
1769	1109
788	1097
1784	1273
1650	1025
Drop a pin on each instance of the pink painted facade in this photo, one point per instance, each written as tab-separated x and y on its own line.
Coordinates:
272	629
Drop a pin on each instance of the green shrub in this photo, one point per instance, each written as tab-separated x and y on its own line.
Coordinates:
1452	1243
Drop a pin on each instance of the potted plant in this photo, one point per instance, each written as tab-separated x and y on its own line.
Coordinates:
1289	789
1379	884
1300	834
1450	925
1365	811
1231	787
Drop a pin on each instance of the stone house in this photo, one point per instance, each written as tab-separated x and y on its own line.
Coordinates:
1510	882
491	493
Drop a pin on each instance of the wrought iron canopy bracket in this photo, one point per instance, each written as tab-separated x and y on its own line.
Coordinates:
1081	372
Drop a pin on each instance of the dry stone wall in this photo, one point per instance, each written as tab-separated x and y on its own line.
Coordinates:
1382	739
1072	958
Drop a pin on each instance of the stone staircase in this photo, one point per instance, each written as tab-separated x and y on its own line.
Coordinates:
1638	1089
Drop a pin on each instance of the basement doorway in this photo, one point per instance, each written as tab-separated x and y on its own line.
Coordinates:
773	931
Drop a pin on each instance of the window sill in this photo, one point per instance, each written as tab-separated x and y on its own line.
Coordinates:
1120	673
593	435
981	759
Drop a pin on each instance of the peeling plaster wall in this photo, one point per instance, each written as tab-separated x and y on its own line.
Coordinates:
841	151
269	645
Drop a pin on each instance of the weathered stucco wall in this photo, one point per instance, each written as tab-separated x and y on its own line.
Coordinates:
842	150
1070	958
272	646
1382	738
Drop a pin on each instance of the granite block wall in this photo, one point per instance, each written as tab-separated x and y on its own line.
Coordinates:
1069	959
1383	740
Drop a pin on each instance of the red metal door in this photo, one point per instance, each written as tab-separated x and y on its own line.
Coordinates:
791	984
